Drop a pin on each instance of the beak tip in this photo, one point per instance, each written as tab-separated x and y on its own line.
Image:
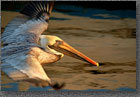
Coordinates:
97	64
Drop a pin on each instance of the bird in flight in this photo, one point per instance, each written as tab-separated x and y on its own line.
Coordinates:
25	50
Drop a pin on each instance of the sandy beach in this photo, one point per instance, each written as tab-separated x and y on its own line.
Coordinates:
111	42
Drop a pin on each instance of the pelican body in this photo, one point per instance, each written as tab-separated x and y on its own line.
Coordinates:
25	50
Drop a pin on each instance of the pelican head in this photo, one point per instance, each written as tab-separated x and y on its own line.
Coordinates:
57	46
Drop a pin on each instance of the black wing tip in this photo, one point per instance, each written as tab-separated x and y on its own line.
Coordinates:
58	86
34	9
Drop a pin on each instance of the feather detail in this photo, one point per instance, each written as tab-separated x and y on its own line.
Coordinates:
38	9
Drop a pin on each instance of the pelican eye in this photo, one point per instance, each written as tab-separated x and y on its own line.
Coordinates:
57	43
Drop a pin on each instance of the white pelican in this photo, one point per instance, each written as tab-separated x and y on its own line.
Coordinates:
25	49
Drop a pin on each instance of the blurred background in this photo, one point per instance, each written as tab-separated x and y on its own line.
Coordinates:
105	31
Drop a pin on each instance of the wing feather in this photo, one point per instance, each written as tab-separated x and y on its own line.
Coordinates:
29	25
23	65
14	24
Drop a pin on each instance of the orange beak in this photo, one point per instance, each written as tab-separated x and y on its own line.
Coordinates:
66	49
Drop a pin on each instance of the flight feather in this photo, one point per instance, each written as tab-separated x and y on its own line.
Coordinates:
29	25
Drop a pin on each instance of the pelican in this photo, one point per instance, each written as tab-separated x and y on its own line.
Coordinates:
25	50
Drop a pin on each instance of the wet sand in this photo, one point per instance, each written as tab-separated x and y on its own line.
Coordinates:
110	42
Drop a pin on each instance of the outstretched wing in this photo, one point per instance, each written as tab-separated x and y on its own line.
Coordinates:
20	52
20	62
23	62
27	27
